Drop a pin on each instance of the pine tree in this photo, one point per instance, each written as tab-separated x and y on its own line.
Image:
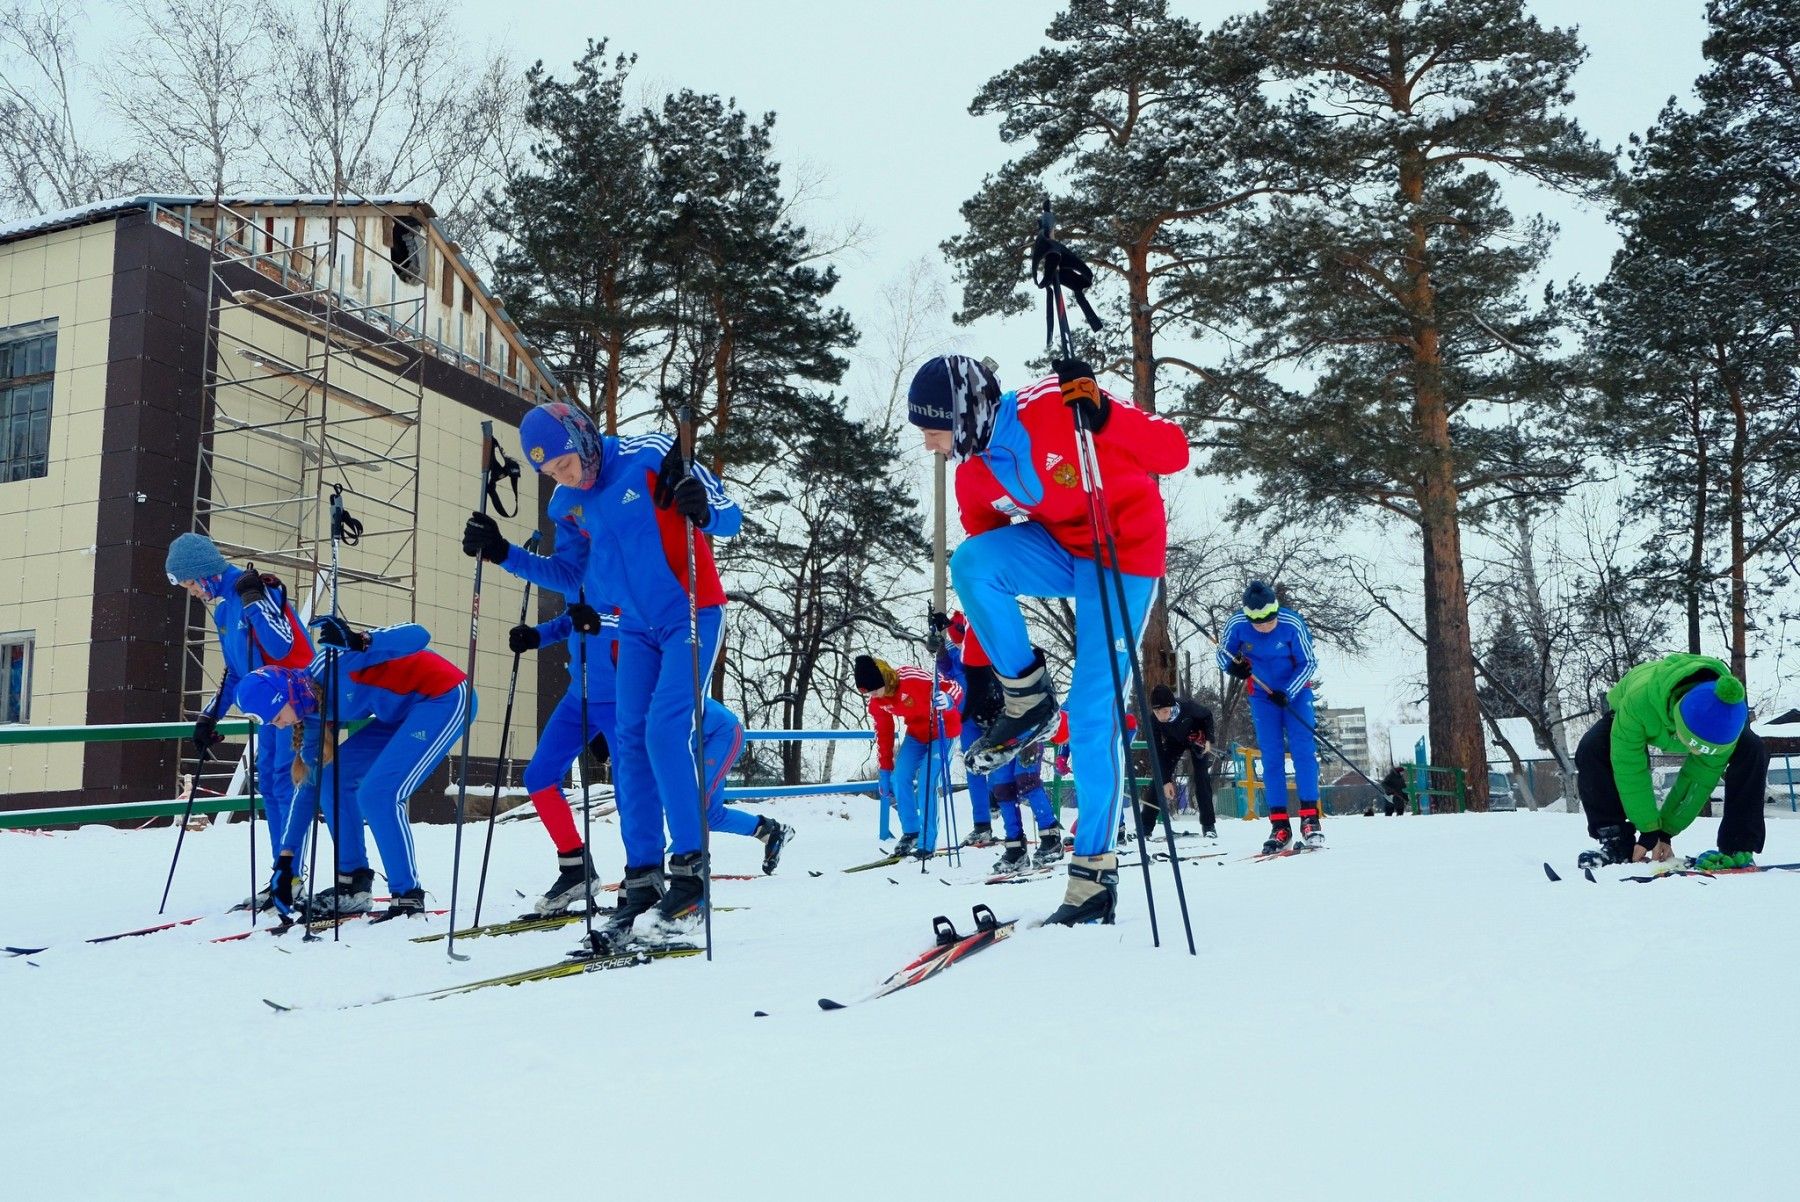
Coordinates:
1696	334
1397	286
575	272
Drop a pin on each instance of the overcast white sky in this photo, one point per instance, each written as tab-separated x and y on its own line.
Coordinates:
875	96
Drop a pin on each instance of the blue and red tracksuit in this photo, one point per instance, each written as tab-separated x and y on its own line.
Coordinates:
560	742
613	542
418	704
1030	470
1281	659
920	767
267	634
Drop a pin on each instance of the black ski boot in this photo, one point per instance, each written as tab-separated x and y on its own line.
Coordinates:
351	895
1049	848
980	835
1210	833
1281	834
572	883
405	905
1615	848
774	836
683	904
1013	860
906	846
1027	719
1311	833
1093	892
639	892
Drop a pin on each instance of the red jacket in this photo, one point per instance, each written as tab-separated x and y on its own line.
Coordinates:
911	703
1030	468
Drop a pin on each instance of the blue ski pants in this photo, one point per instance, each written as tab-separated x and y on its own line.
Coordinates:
275	782
1284	732
1017	780
654	774
991	572
920	770
980	811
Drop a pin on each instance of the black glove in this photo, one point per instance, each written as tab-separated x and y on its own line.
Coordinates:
939	620
249	587
205	735
1279	697
1240	668
335	632
584	618
481	536
671	473
1081	393
598	749
1649	839
523	638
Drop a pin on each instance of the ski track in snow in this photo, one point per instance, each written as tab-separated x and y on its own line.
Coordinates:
1417	1014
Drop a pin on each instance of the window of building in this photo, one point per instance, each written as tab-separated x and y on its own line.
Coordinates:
408	249
27	370
15	677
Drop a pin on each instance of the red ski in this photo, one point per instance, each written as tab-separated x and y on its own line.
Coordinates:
951	948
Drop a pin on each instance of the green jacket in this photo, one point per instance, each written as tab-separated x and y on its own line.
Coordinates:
1643	704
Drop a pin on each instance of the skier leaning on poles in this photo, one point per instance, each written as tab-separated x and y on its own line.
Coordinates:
1269	647
1684	705
1016	457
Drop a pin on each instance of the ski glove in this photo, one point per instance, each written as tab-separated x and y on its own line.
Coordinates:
523	638
249	587
1279	697
1062	763
205	735
281	886
1081	393
1649	839
885	780
679	489
1240	669
584	618
482	537
335	632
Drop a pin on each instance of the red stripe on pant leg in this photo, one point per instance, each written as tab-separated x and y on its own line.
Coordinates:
553	809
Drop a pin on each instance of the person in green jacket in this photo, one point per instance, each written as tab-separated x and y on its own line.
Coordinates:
1681	705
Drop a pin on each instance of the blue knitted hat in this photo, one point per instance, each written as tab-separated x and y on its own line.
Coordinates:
262	693
1260	603
556	428
929	404
193	557
1710	716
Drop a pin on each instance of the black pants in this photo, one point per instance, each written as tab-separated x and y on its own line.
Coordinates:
1200	790
1746	779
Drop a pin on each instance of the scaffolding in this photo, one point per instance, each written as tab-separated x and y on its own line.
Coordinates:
313	380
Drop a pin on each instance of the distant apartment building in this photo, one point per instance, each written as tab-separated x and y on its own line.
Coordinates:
1348	730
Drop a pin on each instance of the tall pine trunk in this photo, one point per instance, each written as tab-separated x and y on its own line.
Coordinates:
1740	593
1696	565
1158	648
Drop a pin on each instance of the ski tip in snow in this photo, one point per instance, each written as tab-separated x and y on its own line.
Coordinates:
826	1003
277	1007
760	1014
1589	874
1550	872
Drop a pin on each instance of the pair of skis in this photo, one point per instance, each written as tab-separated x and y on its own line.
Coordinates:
950	948
1686	868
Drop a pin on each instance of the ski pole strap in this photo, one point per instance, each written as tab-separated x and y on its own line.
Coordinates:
344	528
501	467
1055	266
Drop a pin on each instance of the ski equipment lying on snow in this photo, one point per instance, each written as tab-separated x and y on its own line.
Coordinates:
950	948
1292	849
161	926
630	958
320	925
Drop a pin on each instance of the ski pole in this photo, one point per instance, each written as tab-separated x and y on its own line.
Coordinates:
252	754
348	531
512	687
581	758
684	424
495	468
1052	255
187	812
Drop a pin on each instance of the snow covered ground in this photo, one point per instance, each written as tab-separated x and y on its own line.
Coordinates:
1416	1013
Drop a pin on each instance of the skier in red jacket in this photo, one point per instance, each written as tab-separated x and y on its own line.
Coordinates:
931	720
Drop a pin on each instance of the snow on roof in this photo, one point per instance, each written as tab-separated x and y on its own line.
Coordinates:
83	214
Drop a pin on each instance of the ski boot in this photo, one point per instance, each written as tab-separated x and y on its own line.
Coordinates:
1281	834
1615	848
981	835
639	892
907	845
1210	833
1027	719
1311	833
1093	892
1049	849
1013	860
405	905
263	901
774	836
682	907
572	883
351	895
1724	861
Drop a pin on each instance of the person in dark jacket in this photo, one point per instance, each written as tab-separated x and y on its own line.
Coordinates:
1394	783
1184	727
